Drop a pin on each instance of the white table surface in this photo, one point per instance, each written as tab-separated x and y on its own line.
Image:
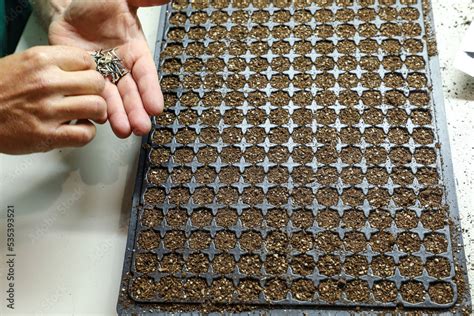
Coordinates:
72	206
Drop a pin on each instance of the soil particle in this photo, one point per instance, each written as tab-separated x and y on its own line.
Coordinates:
330	290
425	156
197	263
402	176
349	116
253	196
143	288
413	292
223	264
423	136
151	217
355	242
249	290
226	217
354	219
221	290
146	262
373	117
369	63
174	240
277	242
201	196
438	267
327	175
227	195
207	155
436	243
351	155
327	196
148	239
406	219
255	135
302	241
183	156
441	293
301	155
353	197
276	290
434	219
303	290
377	176
302	219
356	265
277	218
204	175
408	242
329	265
385	291
328	242
181	175
176	218
357	291
278	196
228	175
383	266
400	156
276	264
251	218
199	240
382	242
250	265
251	241
162	137
225	240
410	266
380	219
303	265
254	175
328	219
395	98
171	263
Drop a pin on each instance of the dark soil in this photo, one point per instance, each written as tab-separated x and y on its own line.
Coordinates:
441	293
438	267
355	242
353	219
436	243
151	217
303	264
328	219
172	263
251	241
197	263
413	292
223	264
276	264
251	218
226	217
383	266
225	240
148	239
330	290
357	291
356	265
250	265
410	266
385	291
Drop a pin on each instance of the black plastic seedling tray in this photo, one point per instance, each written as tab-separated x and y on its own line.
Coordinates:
178	176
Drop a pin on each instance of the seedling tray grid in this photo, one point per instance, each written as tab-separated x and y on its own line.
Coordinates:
302	162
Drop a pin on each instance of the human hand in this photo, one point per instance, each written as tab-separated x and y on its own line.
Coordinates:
104	24
41	91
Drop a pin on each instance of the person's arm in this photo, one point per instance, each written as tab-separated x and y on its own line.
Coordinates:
43	90
46	10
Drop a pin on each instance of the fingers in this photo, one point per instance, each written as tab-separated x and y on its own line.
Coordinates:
145	75
88	82
91	107
116	112
132	102
74	135
65	57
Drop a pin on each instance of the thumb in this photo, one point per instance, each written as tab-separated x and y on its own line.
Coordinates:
147	3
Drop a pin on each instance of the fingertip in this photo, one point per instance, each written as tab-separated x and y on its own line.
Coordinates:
142	128
121	127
